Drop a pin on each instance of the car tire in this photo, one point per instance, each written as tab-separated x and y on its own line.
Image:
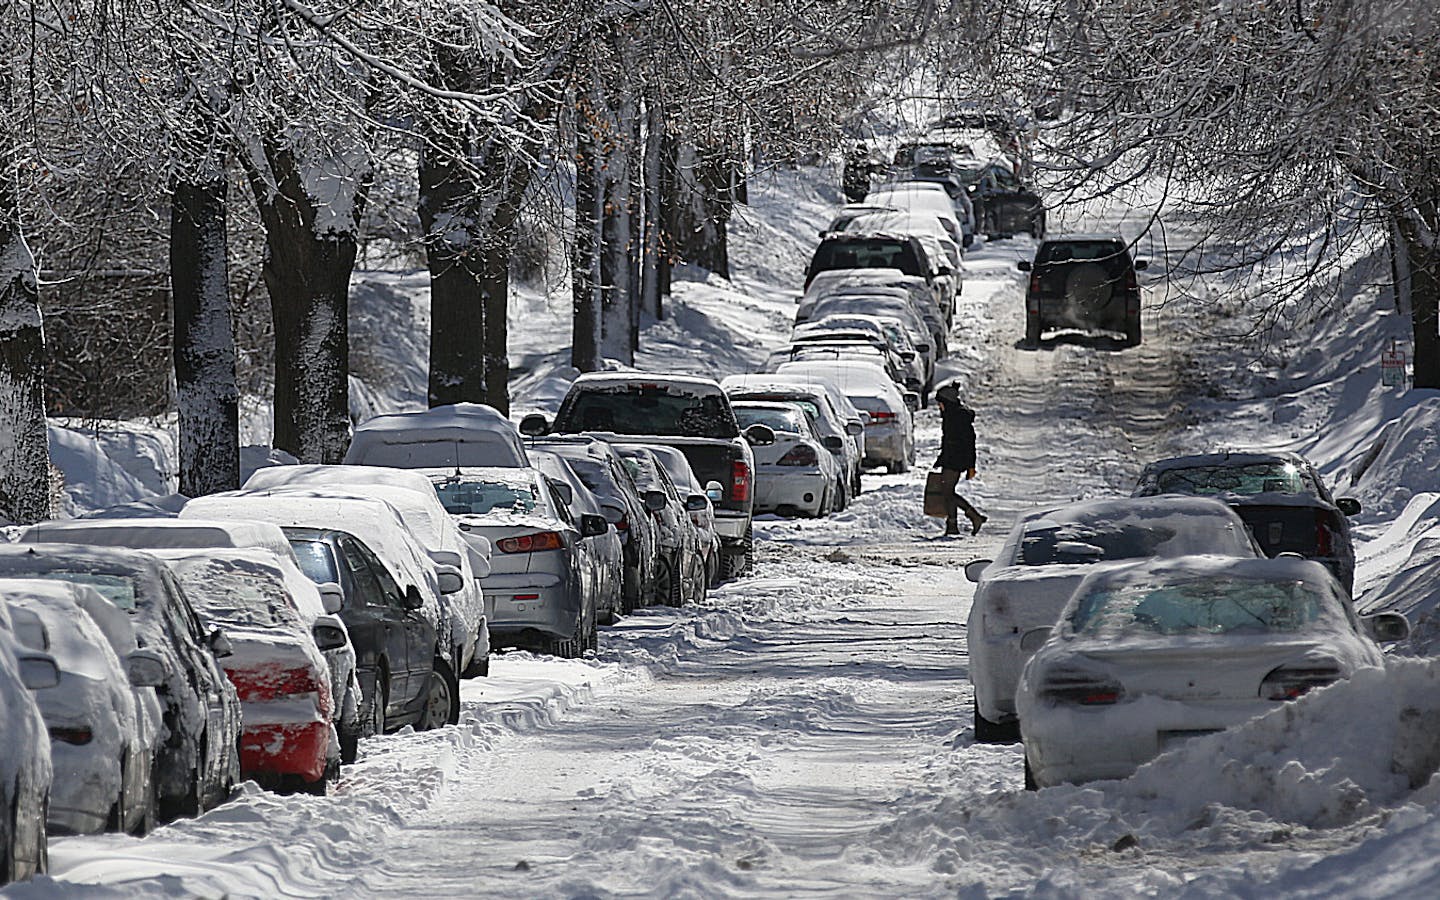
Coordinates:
749	544
442	697
349	734
1132	331
675	592
988	732
1032	330
372	705
572	647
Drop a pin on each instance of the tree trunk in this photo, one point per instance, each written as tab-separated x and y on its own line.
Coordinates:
1424	264
24	441
651	180
457	302
206	396
495	297
307	273
702	201
618	322
585	353
1399	267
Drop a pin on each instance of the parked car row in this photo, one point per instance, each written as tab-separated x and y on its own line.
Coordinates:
1105	632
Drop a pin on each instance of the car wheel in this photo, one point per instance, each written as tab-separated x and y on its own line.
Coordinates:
675	590
1032	330
349	731
442	697
988	732
569	648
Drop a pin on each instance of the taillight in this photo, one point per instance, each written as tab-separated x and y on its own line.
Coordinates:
1289	682
1069	686
799	455
624	523
257	685
1035	283
1132	283
882	416
71	735
1324	536
739	481
530	543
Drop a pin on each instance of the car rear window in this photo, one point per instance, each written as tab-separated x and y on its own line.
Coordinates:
1276	477
479	498
879	253
118	589
1211	606
779	419
1065	251
650	409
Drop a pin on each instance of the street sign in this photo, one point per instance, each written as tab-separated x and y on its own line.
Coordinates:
1392	367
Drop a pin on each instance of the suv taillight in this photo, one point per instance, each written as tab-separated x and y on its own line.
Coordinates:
1289	682
1034	282
739	481
1324	539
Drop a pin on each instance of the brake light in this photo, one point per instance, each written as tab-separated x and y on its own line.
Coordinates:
1132	283
799	455
623	524
532	543
1065	686
882	416
1035	282
71	735
1324	538
1289	682
739	481
257	685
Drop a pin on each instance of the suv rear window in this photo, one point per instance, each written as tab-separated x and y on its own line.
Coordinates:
1065	251
877	253
650	409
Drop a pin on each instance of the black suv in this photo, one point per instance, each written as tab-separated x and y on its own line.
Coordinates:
1083	281
844	250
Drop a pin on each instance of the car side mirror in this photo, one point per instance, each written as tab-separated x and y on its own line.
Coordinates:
922	348
332	597
450	578
907	355
715	491
220	644
760	435
413	599
612	511
1386	627
1034	639
329	633
145	668
912	400
38	671
854	428
973	570
592	525
534	425
696	502
1141	265
833	443
1348	505
655	500
1023	265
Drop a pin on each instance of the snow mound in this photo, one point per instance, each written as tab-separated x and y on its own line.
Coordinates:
1405	462
92	479
1411	586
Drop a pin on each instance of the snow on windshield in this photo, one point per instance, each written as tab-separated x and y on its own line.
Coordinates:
118	589
1087	536
481	498
238	592
1276	477
1202	606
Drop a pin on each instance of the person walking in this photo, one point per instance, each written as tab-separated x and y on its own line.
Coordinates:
957	456
855	179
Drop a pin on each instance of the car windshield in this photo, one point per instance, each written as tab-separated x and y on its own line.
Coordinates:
237	592
1202	606
656	409
1278	477
877	253
790	420
593	474
642	470
478	498
118	589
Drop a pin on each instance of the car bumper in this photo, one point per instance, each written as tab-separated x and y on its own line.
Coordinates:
284	748
526	603
789	487
884	444
731	525
995	665
1079	744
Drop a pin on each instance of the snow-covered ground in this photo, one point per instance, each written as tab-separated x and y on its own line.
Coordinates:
807	731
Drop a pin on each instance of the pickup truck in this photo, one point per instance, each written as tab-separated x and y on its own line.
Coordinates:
688	413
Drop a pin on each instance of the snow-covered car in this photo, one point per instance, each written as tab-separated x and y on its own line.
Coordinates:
879	250
537	575
199	761
928	197
890	433
1045	557
689	413
604	473
798	474
375	522
941	247
102	739
1281	497
843	348
600	541
288	710
828	409
317	605
682	577
394	639
413	497
25	773
1148	655
894	300
702	515
462	434
918	369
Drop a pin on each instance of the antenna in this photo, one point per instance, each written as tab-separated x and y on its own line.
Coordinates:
456	476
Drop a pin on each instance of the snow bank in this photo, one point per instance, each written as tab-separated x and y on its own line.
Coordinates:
1405	570
92	479
1401	462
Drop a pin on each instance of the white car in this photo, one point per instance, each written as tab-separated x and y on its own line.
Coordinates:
102	739
379	526
463	434
413	497
890	432
317	605
1148	655
798	474
828	409
922	196
25	773
886	331
1045	557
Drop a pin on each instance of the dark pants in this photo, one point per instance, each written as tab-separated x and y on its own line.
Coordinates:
949	478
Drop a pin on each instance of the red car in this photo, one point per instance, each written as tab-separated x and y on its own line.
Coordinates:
288	740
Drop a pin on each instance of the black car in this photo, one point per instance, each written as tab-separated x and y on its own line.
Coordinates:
199	760
394	640
688	413
1083	281
683	578
846	250
1004	205
1280	496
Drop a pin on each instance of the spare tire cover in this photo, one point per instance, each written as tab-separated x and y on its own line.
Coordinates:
1089	286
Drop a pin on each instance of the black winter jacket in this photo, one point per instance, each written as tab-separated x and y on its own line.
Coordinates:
957	437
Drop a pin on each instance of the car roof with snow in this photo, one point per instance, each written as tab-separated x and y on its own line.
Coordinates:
463	433
145	569
851	375
245	587
156	534
686	384
502	474
312	475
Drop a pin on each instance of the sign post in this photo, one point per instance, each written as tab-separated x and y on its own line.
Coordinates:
1392	366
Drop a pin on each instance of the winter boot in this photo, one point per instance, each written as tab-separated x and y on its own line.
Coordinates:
976	520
